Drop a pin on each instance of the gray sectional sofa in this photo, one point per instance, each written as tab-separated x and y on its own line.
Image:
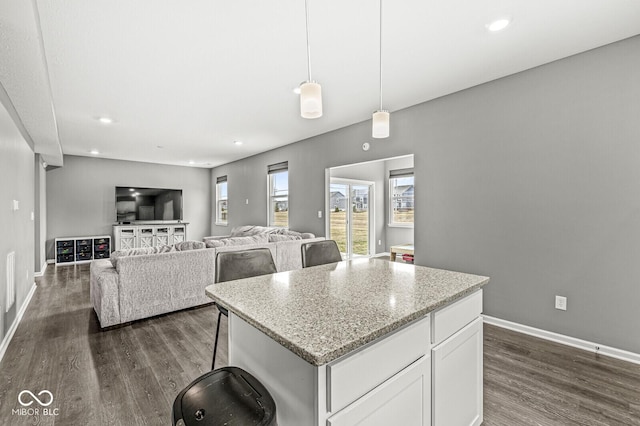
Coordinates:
141	283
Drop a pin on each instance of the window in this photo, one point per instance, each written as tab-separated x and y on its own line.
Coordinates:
401	201
279	194
222	202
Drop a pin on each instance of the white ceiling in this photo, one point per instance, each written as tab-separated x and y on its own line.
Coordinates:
193	76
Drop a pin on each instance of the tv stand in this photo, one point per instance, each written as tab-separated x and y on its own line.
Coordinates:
148	234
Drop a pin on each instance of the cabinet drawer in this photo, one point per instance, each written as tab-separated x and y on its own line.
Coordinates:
402	400
83	256
453	317
358	373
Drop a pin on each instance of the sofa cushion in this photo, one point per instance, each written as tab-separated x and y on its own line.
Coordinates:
238	241
189	245
138	252
277	237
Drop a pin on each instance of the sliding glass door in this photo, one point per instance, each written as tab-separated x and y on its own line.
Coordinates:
350	216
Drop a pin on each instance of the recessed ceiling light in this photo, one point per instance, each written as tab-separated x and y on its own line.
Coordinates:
238	142
94	152
297	90
105	120
498	25
131	189
191	162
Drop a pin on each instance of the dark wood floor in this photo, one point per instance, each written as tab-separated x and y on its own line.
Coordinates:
130	375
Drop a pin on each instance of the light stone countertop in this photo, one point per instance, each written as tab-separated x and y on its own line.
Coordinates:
324	312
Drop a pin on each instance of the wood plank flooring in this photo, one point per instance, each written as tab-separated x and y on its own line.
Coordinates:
131	375
530	381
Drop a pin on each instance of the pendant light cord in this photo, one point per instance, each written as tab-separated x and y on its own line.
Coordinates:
380	55
306	13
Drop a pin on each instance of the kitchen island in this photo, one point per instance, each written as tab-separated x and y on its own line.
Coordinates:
361	341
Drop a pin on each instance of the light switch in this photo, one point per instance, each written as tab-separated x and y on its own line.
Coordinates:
319	214
16	205
32	216
246	201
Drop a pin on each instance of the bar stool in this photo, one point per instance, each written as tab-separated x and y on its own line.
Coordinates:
320	253
226	396
235	265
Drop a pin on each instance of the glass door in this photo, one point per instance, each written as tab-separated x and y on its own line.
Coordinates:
359	229
350	217
339	215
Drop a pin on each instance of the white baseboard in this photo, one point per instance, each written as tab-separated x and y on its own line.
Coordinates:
51	261
42	269
16	322
565	340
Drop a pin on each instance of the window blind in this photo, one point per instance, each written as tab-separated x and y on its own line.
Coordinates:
278	167
221	179
400	173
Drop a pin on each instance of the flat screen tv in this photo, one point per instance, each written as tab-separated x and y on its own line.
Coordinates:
147	204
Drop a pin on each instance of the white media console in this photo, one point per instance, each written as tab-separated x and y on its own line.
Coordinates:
148	235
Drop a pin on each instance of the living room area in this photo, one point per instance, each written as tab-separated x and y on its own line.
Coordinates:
522	169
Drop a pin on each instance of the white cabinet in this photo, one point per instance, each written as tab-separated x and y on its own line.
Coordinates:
178	234
428	372
163	235
404	400
457	398
148	235
125	237
354	375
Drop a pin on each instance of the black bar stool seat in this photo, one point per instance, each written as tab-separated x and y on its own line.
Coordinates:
226	396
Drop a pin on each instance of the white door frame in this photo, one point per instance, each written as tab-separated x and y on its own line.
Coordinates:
371	209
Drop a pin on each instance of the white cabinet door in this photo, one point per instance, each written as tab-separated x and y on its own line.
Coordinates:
457	378
403	400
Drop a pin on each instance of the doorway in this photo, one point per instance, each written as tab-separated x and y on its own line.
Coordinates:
374	227
350	216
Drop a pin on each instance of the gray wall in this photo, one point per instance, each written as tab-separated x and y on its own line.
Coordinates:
373	172
531	179
81	195
16	227
395	234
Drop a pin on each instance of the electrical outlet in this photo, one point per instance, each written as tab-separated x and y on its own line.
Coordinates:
561	303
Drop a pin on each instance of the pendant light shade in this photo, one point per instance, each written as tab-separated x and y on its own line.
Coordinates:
310	100
310	91
380	128
381	118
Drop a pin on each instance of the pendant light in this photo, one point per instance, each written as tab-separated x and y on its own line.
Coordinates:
310	91
380	119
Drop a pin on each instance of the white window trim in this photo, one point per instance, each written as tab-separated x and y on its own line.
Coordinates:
270	196
219	222
390	223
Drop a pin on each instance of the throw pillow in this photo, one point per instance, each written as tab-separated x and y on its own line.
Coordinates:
138	252
250	230
189	245
238	241
277	237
